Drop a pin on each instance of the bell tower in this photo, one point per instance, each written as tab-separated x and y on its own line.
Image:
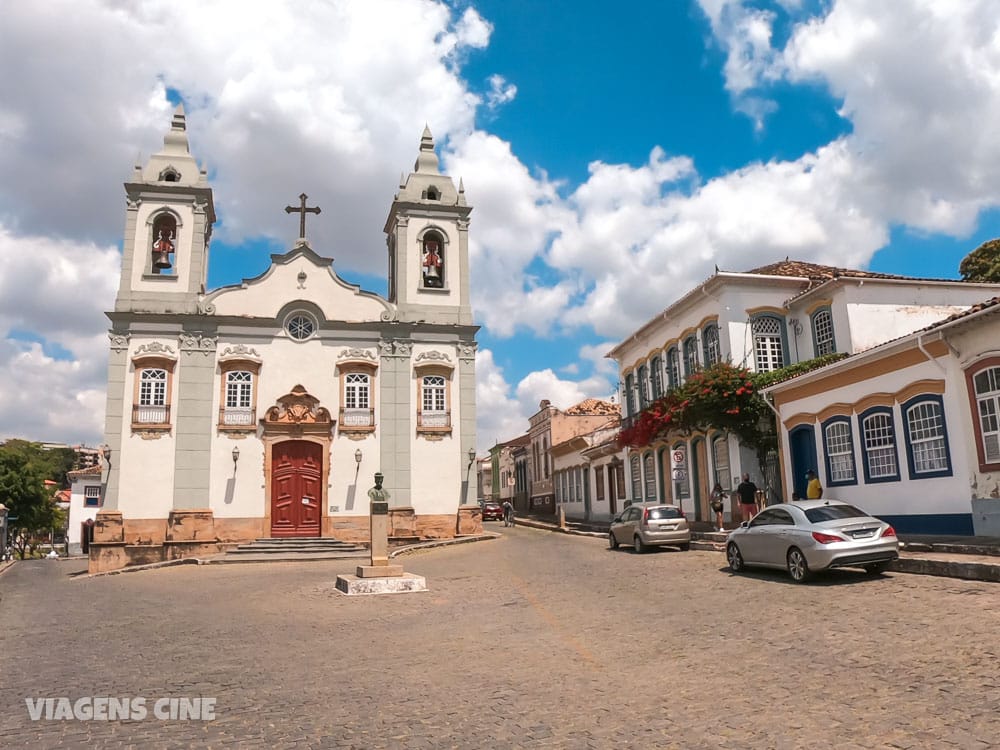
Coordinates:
169	218
427	234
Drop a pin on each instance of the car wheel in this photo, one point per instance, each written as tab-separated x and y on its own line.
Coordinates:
798	568
734	557
638	546
612	540
685	547
875	569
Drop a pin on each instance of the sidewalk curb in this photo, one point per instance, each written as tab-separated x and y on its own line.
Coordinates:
970	571
5	565
908	562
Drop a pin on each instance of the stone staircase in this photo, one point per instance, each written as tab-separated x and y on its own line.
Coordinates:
293	549
713	541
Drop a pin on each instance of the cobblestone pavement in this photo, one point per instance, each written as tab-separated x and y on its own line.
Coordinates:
531	640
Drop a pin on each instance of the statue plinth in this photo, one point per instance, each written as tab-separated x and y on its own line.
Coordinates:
380	577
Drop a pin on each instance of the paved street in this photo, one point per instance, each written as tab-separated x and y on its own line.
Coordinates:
531	640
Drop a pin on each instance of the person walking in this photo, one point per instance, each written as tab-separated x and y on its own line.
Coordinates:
747	492
508	513
814	490
718	503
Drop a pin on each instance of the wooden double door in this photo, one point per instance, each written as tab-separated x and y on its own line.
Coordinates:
296	489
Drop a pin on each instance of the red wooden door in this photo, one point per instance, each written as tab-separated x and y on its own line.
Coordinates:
296	489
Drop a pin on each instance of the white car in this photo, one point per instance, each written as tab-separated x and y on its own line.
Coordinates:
812	535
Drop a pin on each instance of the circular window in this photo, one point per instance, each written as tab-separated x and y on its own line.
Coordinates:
300	327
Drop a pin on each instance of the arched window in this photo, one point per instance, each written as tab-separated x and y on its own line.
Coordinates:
822	325
357	410
673	368
434	408
650	474
926	438
690	355
636	479
838	446
879	445
720	456
656	377
710	344
768	342
643	387
432	261
630	409
152	407
987	391
238	408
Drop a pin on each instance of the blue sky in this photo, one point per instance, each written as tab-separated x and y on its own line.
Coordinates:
614	156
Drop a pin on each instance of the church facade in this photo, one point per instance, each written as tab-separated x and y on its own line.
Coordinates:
263	409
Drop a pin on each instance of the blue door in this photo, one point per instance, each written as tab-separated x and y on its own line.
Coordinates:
802	443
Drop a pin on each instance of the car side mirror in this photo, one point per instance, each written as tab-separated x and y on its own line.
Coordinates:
616	519
745	525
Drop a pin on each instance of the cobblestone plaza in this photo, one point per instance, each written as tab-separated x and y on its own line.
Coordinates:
530	640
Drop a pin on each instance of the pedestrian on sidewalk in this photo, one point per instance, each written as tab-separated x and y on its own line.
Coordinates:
508	513
747	492
718	500
814	490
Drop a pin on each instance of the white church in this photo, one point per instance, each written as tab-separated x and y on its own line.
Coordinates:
263	409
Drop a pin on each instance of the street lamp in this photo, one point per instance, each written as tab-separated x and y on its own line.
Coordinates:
358	455
236	456
106	454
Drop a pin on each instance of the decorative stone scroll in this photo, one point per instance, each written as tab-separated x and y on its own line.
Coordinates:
433	357
196	342
240	351
298	411
205	308
119	341
467	351
355	353
155	347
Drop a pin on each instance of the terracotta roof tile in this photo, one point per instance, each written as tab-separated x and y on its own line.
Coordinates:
90	471
593	406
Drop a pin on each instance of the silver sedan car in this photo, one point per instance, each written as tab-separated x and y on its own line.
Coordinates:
812	535
645	525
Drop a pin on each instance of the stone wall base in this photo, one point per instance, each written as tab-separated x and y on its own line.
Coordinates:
121	542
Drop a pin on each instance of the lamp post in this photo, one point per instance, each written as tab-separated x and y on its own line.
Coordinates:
236	458
468	469
358	455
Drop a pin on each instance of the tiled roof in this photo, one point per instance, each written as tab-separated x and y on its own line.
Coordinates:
593	406
978	307
90	471
817	272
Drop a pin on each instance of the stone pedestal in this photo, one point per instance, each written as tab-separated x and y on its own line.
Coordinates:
380	577
470	520
401	584
107	551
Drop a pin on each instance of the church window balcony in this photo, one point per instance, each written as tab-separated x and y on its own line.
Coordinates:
151	397
434	401
238	399
357	413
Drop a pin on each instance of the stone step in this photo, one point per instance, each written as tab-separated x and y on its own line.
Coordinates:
251	550
251	557
707	546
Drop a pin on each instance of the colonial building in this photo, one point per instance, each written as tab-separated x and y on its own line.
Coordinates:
588	474
84	505
763	319
551	426
908	430
262	409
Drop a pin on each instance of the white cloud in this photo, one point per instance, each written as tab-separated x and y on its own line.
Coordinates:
501	91
287	106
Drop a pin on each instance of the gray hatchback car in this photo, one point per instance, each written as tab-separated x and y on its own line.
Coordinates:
812	535
645	525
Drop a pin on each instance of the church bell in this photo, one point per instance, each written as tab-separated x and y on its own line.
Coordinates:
162	259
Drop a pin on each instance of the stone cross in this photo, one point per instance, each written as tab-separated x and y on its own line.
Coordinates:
302	210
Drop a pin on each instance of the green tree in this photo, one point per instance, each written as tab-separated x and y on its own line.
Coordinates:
983	263
24	467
